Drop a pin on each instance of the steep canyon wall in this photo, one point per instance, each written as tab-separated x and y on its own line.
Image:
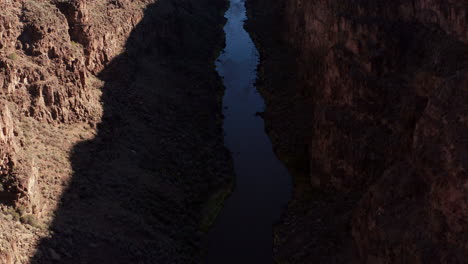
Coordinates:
111	141
367	102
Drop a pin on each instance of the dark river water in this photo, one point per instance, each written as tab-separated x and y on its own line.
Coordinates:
242	234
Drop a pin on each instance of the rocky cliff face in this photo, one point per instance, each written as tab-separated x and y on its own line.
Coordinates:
49	65
120	77
376	108
50	53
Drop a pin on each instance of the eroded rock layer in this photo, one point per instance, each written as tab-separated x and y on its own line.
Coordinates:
367	101
110	129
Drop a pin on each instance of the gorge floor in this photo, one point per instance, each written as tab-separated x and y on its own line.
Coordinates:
243	231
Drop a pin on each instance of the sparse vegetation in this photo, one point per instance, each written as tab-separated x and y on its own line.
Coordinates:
75	44
21	210
13	56
47	134
13	212
213	206
30	219
20	214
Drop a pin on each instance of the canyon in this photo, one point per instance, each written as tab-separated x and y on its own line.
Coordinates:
262	185
112	147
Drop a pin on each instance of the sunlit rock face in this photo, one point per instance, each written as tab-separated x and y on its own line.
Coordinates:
50	52
384	95
132	78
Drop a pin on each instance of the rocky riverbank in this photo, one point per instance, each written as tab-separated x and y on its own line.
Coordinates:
111	143
367	105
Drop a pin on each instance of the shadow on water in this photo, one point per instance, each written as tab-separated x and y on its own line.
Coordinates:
243	233
138	186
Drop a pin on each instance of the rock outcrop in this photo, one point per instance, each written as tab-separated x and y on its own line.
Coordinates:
375	97
110	119
46	74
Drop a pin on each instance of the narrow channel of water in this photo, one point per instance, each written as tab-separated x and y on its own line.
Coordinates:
242	234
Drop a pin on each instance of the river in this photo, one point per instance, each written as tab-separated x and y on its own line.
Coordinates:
242	233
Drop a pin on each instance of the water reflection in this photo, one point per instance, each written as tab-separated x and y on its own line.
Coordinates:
243	231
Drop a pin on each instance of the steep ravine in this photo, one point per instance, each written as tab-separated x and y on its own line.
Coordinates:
243	231
367	102
111	140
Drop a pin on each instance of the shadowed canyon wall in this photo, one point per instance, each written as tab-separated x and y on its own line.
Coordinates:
111	142
367	103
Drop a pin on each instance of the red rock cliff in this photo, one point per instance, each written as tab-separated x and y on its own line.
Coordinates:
50	53
110	119
377	110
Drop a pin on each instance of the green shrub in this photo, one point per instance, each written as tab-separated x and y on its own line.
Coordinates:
13	56
30	220
21	210
14	213
75	44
